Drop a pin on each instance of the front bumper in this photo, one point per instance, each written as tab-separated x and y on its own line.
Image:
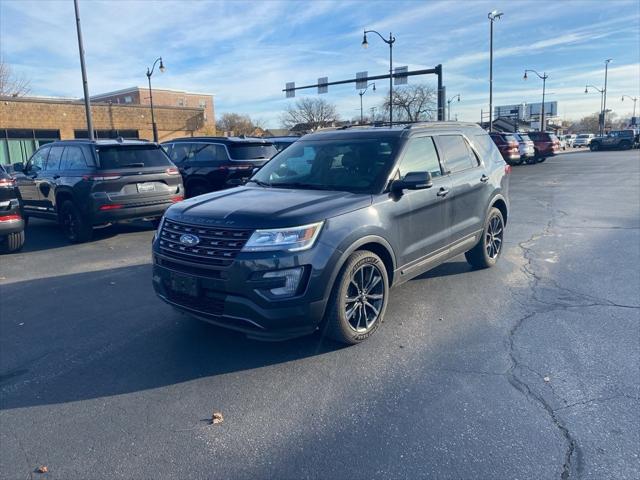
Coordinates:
235	297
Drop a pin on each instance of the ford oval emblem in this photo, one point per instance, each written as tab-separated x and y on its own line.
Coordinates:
189	240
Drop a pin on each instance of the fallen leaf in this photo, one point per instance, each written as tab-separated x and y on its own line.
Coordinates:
216	418
546	379
42	469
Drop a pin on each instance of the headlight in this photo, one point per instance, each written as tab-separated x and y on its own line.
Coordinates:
160	224
292	239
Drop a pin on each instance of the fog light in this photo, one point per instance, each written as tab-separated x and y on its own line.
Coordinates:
291	279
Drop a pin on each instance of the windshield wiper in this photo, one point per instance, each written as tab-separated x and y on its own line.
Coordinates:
259	182
302	185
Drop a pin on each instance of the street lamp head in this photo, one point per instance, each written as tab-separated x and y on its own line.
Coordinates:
495	15
162	68
525	75
586	89
608	60
458	97
365	44
374	87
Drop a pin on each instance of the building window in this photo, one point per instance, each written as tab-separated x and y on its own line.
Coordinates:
128	99
17	145
181	102
203	104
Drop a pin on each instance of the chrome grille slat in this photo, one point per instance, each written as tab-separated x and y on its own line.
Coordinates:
218	246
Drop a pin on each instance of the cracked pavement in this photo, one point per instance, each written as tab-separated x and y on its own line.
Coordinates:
527	370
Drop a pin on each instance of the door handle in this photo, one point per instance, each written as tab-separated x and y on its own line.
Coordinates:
443	192
55	177
484	178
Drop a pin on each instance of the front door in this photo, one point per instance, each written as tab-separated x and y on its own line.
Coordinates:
422	217
29	179
48	178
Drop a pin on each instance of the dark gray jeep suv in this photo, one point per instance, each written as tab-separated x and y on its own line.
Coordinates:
318	236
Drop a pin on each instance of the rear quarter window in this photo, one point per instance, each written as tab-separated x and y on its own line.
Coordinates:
487	149
252	152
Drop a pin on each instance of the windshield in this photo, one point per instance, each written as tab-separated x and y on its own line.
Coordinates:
132	156
354	165
524	138
256	151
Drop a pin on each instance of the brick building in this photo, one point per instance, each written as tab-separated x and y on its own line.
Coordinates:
28	122
164	97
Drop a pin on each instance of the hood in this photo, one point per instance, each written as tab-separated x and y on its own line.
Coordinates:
259	207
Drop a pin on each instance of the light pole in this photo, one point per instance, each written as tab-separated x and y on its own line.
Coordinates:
601	116
634	100
604	101
85	82
389	42
361	93
449	105
542	77
493	16
149	73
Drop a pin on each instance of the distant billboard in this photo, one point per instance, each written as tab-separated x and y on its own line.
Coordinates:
526	111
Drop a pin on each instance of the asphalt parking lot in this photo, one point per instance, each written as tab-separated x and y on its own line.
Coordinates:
527	370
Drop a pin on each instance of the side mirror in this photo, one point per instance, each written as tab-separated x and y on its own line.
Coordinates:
18	167
412	181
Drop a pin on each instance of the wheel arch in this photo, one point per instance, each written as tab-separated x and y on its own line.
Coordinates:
500	203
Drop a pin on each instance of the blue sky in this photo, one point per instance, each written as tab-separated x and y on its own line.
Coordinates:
245	52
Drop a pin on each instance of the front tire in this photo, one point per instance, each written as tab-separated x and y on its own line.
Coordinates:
76	228
487	251
358	300
12	242
594	147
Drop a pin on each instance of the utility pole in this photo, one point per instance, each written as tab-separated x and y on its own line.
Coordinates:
604	101
85	83
493	16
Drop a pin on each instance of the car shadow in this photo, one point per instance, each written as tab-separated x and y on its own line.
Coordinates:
106	333
46	235
446	269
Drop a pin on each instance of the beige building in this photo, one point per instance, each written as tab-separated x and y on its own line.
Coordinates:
162	97
28	122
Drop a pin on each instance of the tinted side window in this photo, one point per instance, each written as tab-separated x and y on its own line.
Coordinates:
53	162
208	153
420	156
39	159
180	152
73	159
456	153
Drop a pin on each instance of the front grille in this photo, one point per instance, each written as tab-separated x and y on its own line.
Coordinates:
218	246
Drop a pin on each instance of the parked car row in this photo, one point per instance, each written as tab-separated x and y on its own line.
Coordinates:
616	140
530	147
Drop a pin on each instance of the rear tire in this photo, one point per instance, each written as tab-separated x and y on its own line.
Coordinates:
76	228
515	163
488	250
196	190
625	145
358	300
12	242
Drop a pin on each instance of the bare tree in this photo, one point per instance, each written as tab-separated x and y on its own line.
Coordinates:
12	85
312	112
413	103
235	124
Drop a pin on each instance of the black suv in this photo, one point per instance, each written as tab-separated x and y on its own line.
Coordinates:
11	219
80	183
615	140
318	236
208	164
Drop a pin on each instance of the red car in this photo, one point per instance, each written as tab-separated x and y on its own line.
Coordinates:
545	144
508	146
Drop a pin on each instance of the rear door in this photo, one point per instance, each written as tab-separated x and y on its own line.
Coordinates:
422	217
470	182
136	174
